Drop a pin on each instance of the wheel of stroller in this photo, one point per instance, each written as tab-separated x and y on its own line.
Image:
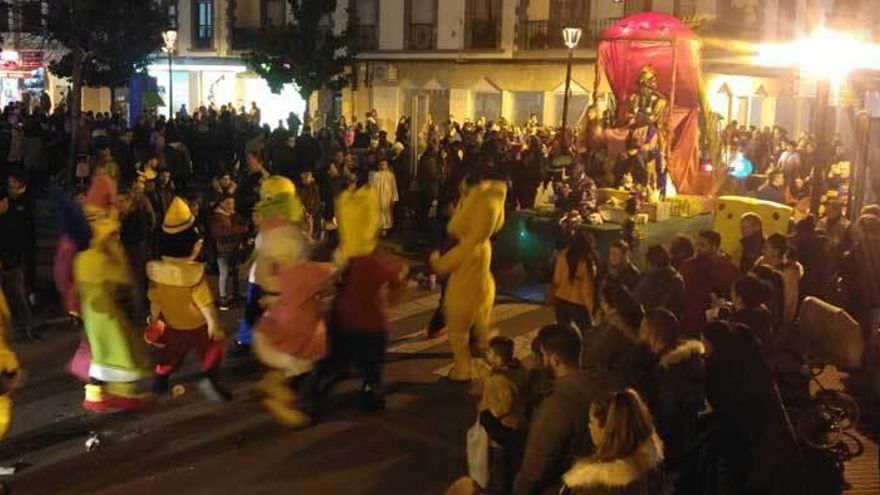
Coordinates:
818	427
842	405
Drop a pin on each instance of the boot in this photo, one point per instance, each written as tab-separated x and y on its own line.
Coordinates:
161	384
209	387
372	400
274	386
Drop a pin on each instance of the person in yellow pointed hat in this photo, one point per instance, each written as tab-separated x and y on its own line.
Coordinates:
10	374
182	312
119	372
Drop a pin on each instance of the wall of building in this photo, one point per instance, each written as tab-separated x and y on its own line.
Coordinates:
247	13
450	25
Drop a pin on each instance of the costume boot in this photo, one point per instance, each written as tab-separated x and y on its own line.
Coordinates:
280	399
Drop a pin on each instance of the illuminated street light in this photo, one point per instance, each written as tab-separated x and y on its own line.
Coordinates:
571	36
828	57
170	39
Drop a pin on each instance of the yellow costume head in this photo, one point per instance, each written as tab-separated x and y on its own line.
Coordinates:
101	211
357	212
480	214
278	199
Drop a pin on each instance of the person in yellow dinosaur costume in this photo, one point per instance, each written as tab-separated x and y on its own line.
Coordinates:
9	369
470	293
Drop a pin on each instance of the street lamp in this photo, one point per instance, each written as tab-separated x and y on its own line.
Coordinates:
828	57
170	39
571	36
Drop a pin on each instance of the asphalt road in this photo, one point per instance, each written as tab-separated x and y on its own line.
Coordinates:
189	445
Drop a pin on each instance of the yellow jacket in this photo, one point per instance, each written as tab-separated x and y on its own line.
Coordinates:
8	364
478	217
178	287
579	291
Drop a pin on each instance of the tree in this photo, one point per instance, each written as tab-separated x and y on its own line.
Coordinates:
304	51
103	43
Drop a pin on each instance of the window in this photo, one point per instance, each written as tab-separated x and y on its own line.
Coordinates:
487	105
366	23
4	17
204	24
274	13
421	24
31	16
525	104
483	24
685	8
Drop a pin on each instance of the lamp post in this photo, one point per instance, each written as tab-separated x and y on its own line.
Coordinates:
170	39
571	36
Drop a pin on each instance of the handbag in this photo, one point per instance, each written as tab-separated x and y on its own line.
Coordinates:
478	454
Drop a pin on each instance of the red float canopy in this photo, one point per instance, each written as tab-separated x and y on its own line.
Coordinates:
673	51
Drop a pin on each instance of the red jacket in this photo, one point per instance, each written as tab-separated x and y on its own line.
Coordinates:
362	305
704	275
226	231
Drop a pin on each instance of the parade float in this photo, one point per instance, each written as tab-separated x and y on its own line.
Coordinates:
649	70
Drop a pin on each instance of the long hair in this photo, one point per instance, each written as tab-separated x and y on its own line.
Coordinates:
621	300
582	249
626	424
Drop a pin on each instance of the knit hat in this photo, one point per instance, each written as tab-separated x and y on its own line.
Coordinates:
178	217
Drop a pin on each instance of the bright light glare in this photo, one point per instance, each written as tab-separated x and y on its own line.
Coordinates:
825	54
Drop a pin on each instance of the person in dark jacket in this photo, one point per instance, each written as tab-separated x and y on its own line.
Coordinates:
23	201
678	388
751	296
12	260
613	351
429	178
557	435
752	240
815	254
620	269
629	454
135	232
750	431
661	285
248	191
709	272
227	230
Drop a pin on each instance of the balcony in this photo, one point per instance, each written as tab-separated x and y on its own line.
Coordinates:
547	35
367	37
483	34
244	38
421	37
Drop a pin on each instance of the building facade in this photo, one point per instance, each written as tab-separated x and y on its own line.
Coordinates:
431	59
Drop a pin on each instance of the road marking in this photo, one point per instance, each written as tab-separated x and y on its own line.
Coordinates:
414	343
415	306
522	348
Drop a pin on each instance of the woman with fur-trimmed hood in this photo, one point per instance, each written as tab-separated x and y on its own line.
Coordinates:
628	459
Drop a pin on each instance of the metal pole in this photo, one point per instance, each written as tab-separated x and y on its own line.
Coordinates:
565	97
823	87
170	86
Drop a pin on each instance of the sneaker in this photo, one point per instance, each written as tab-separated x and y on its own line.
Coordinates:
214	392
224	304
161	384
239	350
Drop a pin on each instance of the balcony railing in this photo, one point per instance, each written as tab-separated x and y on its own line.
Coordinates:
547	35
367	37
483	34
244	38
421	37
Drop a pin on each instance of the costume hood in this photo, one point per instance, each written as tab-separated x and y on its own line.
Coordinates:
357	213
618	473
480	215
683	351
176	272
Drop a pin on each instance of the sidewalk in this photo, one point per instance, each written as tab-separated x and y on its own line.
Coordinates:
862	473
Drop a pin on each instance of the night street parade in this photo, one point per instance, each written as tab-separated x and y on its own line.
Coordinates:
440	247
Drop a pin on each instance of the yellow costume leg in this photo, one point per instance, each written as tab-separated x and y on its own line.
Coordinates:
5	415
459	326
483	331
279	400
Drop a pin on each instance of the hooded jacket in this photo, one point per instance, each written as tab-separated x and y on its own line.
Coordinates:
639	473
